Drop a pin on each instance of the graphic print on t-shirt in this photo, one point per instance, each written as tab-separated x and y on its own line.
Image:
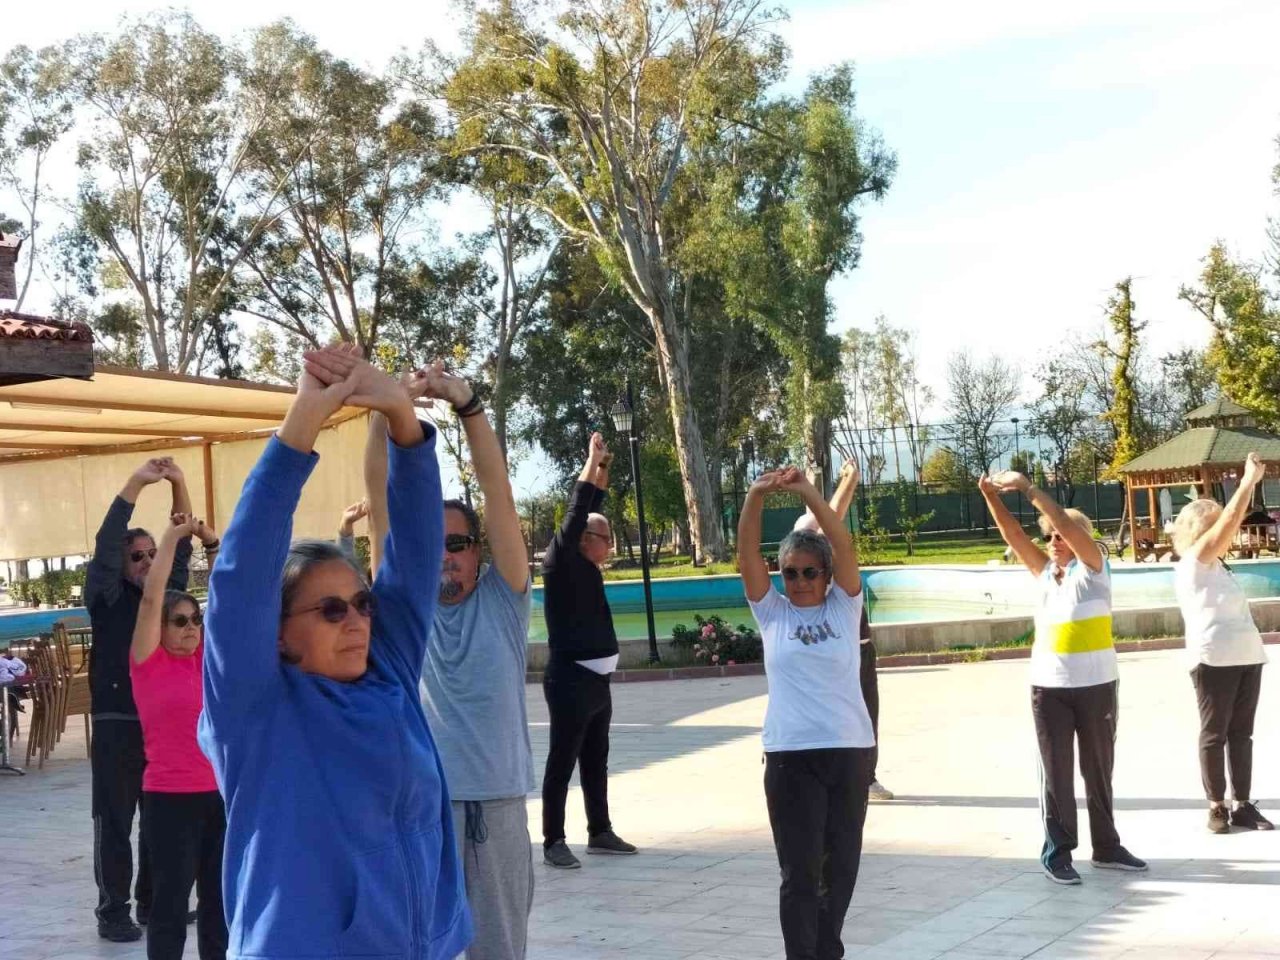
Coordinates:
808	633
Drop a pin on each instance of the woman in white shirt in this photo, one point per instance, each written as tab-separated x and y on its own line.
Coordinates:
818	738
1074	677
1224	648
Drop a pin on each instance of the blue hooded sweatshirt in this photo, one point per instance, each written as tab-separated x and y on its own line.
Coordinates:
339	835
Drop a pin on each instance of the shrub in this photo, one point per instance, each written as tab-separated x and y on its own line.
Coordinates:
714	643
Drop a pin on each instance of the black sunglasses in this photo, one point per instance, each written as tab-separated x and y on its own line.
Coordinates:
809	573
334	609
1056	536
137	555
181	620
457	542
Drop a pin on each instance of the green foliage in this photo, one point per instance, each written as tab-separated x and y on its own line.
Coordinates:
909	522
1244	351
945	470
1123	415
872	538
712	642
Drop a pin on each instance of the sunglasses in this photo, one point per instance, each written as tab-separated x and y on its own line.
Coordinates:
1056	537
137	555
809	573
182	620
334	609
457	542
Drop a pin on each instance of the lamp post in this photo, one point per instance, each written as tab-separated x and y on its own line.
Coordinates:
1017	454
624	420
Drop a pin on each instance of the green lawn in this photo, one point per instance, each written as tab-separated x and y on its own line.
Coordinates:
956	549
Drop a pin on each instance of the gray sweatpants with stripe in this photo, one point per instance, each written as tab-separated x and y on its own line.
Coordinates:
497	861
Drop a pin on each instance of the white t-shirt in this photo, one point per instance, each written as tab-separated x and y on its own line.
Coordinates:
1219	625
812	660
1073	645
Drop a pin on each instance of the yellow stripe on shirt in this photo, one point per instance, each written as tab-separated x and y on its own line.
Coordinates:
1080	636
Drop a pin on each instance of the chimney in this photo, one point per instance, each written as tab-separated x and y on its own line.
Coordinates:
9	246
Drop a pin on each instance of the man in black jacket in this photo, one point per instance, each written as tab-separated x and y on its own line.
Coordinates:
113	589
583	653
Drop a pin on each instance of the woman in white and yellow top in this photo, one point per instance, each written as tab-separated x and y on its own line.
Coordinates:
1224	650
1074	678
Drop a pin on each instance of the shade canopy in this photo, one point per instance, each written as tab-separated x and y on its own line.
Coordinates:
68	446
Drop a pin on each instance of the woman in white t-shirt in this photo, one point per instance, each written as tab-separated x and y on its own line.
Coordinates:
1224	649
818	738
1074	677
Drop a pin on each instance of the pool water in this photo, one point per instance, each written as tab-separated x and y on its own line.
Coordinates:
895	595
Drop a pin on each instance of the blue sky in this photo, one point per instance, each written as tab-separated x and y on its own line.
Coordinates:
1045	150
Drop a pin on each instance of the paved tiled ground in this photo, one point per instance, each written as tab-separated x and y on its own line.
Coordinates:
949	869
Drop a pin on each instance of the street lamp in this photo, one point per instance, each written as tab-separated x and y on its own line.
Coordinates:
1017	453
624	420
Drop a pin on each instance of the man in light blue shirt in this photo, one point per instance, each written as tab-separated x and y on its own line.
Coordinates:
473	681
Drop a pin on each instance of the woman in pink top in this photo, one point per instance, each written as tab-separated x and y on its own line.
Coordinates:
183	818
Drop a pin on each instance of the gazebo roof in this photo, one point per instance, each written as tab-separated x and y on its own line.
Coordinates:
1207	446
1222	407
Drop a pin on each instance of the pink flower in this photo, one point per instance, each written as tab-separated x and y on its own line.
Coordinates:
733	663
715	658
708	630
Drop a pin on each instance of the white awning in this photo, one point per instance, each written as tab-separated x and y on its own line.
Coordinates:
68	446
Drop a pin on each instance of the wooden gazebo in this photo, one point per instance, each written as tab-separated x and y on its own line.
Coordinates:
1218	437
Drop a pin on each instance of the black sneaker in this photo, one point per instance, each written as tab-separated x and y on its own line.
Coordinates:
1218	822
609	842
1246	815
1063	873
559	855
1118	859
119	931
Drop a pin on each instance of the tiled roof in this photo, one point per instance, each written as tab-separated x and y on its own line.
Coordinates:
41	328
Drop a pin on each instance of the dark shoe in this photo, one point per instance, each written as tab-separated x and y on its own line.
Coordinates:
1246	815
1119	859
1064	874
609	842
120	931
559	855
1218	822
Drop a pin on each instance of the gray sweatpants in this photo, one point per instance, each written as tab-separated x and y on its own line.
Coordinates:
497	860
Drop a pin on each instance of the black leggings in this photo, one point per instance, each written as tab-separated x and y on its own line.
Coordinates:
817	807
1228	699
184	833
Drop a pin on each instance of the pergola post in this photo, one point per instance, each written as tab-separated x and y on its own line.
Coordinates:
209	518
1133	520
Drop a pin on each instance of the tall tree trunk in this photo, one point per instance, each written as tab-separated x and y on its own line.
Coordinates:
699	494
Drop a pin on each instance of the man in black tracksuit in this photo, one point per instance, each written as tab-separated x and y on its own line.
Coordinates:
112	592
583	652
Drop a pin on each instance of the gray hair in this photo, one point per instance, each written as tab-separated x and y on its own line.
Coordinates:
1194	521
808	542
174	597
304	556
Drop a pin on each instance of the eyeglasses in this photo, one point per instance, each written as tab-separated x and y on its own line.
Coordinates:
1056	537
137	555
182	620
809	573
457	542
334	609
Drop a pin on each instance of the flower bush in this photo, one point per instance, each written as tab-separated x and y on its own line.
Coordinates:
712	642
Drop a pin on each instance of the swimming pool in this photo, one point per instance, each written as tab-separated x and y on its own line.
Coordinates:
895	595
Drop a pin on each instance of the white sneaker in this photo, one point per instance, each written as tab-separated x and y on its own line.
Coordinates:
878	791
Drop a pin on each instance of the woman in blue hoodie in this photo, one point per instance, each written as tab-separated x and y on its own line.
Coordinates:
339	837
